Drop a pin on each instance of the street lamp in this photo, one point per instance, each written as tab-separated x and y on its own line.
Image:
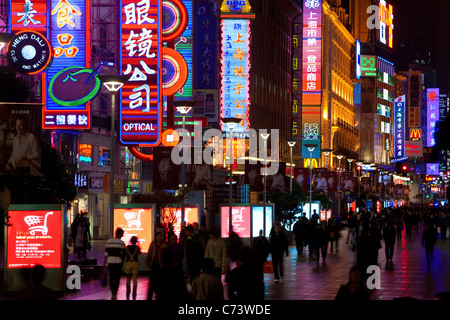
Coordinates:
183	107
350	163
326	152
231	123
265	136
311	147
113	83
339	156
291	142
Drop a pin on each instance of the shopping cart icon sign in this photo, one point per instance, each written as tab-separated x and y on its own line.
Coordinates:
133	218
34	222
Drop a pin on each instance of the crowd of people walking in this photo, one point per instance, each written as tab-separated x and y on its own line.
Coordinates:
198	263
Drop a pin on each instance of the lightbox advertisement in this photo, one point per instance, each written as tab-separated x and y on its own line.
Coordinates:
241	221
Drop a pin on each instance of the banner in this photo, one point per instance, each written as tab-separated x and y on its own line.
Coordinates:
253	176
165	172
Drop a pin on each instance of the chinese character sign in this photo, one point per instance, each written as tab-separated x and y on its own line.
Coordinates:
235	69
141	114
205	47
29	14
69	22
432	115
312	52
399	127
386	35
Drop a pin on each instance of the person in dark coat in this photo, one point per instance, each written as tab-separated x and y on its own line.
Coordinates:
429	238
262	247
193	252
389	235
246	282
300	231
354	289
278	246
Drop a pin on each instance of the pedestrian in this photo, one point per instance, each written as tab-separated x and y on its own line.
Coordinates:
34	289
317	239
352	222
262	249
429	238
389	236
131	269
73	231
333	233
81	240
153	260
354	290
207	286
193	252
114	252
246	282
300	232
399	226
234	246
169	283
278	246
177	250
215	249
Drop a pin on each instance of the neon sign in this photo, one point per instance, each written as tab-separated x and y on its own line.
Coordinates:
141	111
235	71
386	34
399	127
311	77
368	66
29	14
432	115
69	24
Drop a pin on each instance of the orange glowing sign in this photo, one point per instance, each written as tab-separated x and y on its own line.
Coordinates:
415	134
173	215
135	221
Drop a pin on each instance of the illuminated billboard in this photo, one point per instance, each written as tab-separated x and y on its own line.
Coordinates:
368	66
172	215
69	22
235	73
399	126
135	220
386	27
28	14
241	221
141	56
432	115
358	59
258	219
35	236
311	76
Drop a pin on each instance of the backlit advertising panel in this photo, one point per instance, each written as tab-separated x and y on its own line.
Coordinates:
28	14
358	59
141	110
241	221
386	27
258	219
135	220
311	76
368	66
205	48
235	72
432	169
432	115
69	22
34	237
399	126
172	215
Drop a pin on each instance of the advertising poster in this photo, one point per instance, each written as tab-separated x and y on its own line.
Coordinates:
301	175
34	237
171	217
254	177
258	219
137	222
241	221
277	182
165	172
20	127
349	183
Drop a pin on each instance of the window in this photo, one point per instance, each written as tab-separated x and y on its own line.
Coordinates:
104	157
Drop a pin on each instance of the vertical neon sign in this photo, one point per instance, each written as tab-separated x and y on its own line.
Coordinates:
235	71
141	114
69	21
399	127
311	79
184	46
386	24
432	115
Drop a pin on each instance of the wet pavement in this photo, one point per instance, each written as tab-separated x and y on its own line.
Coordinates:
304	279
